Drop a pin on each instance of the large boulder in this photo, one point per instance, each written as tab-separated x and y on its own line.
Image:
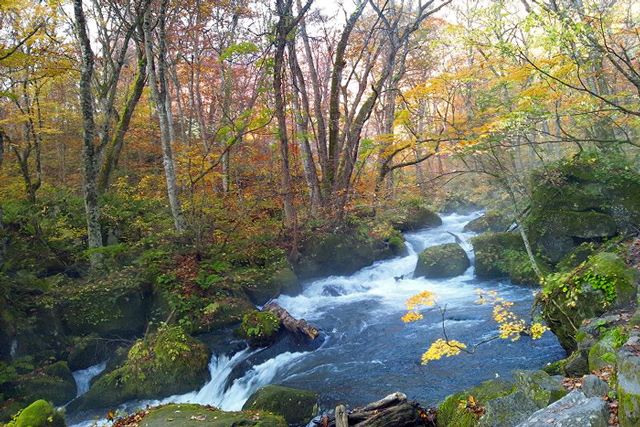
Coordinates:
53	383
573	410
504	255
113	306
507	411
489	249
39	414
538	386
628	366
324	254
489	221
297	407
586	292
162	364
188	415
585	198
453	411
448	260
416	218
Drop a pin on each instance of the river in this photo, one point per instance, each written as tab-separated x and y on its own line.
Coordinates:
367	351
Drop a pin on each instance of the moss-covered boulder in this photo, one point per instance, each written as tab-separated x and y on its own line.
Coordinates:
628	368
602	282
588	197
39	414
539	387
416	218
489	221
489	250
297	407
454	411
112	306
53	383
577	365
260	328
187	415
507	411
603	352
324	254
504	255
442	261
162	364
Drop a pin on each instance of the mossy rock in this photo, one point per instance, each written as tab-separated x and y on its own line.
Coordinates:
489	251
577	365
603	352
87	351
624	278
539	387
397	245
489	221
186	415
416	218
442	261
555	368
53	383
507	411
587	292
453	412
260	327
297	407
342	253
39	414
114	306
628	389
162	364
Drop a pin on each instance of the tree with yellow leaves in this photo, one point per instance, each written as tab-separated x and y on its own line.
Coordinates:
510	326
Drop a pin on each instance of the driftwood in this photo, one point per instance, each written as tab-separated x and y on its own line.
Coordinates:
393	410
297	326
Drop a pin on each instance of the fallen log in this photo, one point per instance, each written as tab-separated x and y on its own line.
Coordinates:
296	326
393	410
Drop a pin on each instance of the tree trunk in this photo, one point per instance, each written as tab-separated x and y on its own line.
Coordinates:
3	238
157	83
114	148
89	186
284	14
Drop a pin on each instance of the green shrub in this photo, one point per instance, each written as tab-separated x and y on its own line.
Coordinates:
260	327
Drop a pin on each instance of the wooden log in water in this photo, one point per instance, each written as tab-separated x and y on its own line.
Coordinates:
297	326
393	410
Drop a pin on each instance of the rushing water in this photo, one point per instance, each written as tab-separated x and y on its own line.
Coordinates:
368	352
83	377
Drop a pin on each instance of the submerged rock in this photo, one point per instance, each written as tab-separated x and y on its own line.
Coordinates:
297	407
442	261
573	410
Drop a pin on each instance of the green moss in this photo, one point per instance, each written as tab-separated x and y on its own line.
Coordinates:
490	221
201	416
53	383
584	293
161	364
260	327
39	414
453	410
448	260
539	387
489	250
115	305
555	368
297	407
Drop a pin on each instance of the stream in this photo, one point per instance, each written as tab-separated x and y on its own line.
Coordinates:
368	352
